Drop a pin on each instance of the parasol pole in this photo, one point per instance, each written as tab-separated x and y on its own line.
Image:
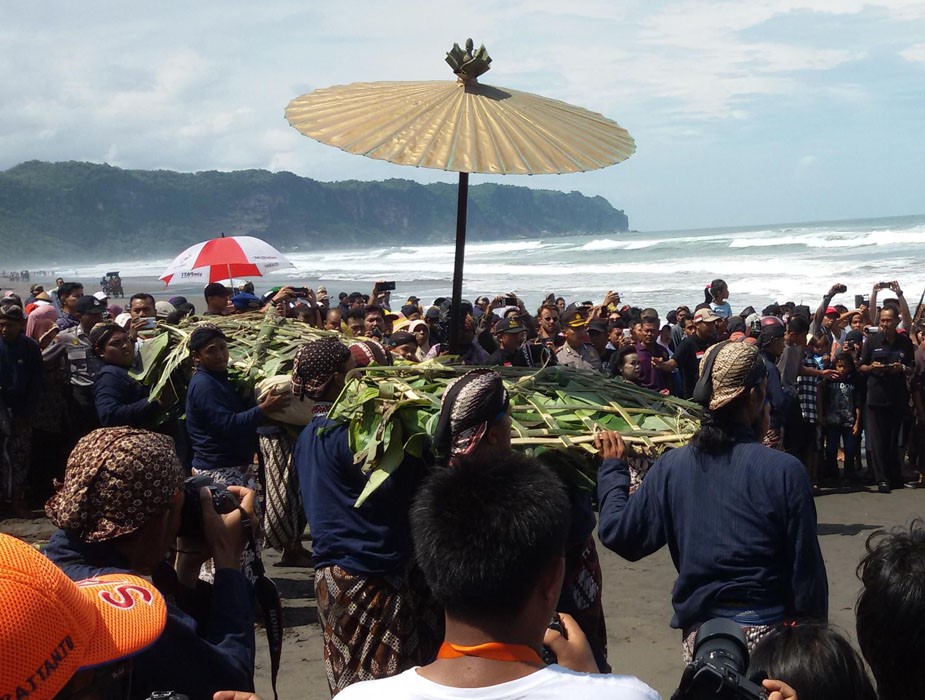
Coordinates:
461	210
230	278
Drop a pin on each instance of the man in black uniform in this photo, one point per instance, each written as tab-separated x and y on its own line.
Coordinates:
887	360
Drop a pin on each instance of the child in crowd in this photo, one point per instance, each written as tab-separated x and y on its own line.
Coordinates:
839	406
806	387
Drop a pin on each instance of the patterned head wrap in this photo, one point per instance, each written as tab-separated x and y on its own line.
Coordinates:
315	365
203	335
116	479
469	406
735	368
101	333
368	351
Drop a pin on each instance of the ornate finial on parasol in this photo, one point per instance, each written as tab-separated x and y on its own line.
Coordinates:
468	65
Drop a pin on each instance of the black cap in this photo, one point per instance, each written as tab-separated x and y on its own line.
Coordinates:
597	325
89	304
432	312
216	289
511	324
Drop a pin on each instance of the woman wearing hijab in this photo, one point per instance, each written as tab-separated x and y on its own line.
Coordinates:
41	326
376	616
119	399
422	333
475	419
738	516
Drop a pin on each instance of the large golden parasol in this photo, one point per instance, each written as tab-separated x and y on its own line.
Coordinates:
462	126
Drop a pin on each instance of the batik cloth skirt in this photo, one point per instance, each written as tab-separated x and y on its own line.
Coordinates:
236	476
375	626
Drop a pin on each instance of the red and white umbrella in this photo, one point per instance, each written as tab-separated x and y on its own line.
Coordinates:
225	258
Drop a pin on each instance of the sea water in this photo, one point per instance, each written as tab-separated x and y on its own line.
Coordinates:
792	262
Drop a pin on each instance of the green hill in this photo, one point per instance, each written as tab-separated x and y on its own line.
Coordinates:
87	210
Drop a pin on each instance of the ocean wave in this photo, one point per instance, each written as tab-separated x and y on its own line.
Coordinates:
839	239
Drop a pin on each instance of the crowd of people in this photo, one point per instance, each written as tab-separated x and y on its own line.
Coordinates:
447	577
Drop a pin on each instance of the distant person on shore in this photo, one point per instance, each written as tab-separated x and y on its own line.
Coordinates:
143	312
691	350
470	352
68	294
577	351
656	365
20	381
716	295
218	300
887	360
510	335
83	363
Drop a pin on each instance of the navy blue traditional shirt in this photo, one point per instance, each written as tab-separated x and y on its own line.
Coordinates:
372	539
20	374
740	526
222	430
120	400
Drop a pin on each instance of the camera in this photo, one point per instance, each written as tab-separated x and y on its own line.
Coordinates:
510	301
300	292
548	655
191	515
385	287
167	695
719	665
861	300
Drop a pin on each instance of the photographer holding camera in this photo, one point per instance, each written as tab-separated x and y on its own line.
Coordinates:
119	510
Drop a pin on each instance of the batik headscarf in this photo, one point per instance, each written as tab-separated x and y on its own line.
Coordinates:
368	351
315	365
116	479
468	408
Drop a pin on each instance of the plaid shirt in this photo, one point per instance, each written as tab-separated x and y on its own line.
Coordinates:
806	388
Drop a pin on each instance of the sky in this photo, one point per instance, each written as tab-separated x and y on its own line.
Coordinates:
744	111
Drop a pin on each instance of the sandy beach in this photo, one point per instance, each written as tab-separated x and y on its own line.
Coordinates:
637	596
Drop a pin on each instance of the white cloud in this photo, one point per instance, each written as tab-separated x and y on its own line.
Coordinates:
914	54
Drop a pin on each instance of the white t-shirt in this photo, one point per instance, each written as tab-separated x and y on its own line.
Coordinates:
550	683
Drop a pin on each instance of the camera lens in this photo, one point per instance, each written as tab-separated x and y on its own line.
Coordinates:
722	642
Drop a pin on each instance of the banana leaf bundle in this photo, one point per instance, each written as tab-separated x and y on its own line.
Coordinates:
259	346
555	412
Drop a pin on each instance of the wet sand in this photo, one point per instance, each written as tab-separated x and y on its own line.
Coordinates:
637	596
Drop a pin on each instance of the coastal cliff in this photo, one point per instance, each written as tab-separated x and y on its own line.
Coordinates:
86	210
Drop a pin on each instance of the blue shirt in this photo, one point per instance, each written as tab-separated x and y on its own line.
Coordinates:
120	400
740	526
222	430
372	539
20	374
